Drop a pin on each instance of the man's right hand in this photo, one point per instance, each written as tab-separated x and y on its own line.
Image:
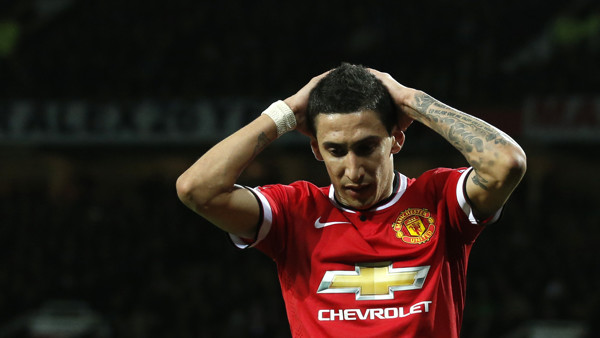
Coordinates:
299	102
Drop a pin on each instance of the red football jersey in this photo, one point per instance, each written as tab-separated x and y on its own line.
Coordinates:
395	270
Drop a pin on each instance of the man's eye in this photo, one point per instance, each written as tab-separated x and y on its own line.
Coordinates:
365	149
337	152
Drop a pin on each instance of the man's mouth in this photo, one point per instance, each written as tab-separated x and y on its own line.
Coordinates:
356	189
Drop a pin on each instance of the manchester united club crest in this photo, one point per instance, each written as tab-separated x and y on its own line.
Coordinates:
414	226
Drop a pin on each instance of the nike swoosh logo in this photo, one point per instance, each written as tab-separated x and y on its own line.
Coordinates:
320	225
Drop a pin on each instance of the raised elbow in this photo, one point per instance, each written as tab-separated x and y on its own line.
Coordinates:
189	192
184	189
514	165
200	192
519	162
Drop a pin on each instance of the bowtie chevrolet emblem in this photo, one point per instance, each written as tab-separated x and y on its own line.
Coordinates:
373	281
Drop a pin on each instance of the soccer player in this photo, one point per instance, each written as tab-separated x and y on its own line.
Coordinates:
375	254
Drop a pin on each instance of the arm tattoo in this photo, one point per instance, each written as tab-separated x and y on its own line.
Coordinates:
424	101
466	132
480	181
261	142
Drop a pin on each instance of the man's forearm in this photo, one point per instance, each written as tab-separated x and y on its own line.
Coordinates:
219	168
483	145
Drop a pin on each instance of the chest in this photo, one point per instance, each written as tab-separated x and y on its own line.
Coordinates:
405	232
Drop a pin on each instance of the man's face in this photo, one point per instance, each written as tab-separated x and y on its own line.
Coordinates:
357	151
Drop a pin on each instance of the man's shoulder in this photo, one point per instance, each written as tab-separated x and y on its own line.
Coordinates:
436	178
296	185
440	173
296	190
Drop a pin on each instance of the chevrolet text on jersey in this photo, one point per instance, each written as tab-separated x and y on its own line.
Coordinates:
377	313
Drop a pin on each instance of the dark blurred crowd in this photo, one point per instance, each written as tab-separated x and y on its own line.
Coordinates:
134	253
466	51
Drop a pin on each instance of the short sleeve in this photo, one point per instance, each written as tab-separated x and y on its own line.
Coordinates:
277	203
465	204
264	222
456	207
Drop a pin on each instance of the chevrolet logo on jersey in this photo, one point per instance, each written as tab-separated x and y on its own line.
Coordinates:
373	281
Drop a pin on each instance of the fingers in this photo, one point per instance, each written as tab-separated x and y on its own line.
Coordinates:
387	79
299	101
313	82
399	94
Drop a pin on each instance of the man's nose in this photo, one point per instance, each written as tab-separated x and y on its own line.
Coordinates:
354	169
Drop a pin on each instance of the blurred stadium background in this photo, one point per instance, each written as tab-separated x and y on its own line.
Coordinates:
104	102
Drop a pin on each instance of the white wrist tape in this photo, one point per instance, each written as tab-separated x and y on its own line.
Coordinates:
282	115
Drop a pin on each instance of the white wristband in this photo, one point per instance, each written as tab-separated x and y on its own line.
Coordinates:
282	115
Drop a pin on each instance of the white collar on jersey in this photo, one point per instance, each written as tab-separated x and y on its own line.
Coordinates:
400	183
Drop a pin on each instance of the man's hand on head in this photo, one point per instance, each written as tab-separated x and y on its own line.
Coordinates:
299	102
401	95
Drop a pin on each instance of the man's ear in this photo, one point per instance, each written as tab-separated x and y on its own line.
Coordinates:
314	145
397	139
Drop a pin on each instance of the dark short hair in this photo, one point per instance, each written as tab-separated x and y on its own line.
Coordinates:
348	89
